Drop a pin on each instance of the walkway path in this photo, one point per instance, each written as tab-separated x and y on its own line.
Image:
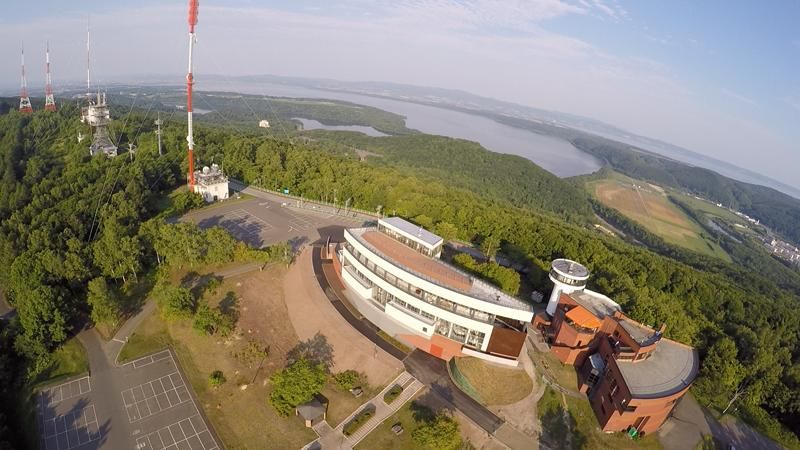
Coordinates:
334	438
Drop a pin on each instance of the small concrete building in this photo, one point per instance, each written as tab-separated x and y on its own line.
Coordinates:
312	412
263	124
211	183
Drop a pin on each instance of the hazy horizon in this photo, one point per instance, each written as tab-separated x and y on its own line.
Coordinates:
719	80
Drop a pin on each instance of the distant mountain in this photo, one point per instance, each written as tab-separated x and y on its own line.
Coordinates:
465	101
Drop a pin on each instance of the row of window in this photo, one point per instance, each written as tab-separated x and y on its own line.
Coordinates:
464	335
421	294
409	242
566	280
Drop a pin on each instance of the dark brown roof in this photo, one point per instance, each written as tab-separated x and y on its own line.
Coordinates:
506	342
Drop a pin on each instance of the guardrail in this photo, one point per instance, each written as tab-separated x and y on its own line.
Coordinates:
304	203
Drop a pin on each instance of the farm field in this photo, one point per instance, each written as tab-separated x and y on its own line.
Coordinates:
649	206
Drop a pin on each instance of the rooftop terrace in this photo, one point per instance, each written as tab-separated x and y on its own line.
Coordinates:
596	303
433	270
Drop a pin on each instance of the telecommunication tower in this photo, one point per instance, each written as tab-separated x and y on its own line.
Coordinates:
49	100
158	131
24	100
96	114
193	10
210	182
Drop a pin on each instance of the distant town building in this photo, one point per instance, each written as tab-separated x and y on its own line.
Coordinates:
401	286
263	124
632	375
211	183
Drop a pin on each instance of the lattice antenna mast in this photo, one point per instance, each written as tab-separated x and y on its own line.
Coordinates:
158	132
24	100
49	100
193	9
88	63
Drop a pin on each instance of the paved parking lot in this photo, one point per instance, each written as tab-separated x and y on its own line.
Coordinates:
143	405
268	219
67	418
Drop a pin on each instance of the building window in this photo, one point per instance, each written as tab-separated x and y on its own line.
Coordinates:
630	409
424	329
475	338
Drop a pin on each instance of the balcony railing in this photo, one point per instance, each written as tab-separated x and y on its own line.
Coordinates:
439	302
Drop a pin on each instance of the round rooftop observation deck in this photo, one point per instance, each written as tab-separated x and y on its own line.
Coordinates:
570	270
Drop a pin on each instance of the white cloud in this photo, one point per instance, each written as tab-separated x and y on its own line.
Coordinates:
793	101
738	97
481	46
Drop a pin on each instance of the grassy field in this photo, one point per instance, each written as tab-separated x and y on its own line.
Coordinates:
495	385
342	403
578	421
70	360
246	392
649	206
383	437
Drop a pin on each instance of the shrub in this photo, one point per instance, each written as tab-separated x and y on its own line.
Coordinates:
441	433
360	419
175	302
216	379
348	379
210	321
392	394
296	384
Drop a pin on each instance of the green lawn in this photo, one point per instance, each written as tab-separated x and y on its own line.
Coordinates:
70	360
495	385
152	335
579	423
342	403
383	437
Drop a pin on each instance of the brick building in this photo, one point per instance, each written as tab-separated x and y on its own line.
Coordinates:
632	375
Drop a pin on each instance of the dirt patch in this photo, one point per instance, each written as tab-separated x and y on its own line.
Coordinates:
311	312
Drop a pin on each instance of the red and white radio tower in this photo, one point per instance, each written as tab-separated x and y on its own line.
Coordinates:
49	101
24	100
193	9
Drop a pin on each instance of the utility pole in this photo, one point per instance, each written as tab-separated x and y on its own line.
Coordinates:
158	132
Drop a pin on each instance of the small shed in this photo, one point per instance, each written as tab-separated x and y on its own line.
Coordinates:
313	412
263	124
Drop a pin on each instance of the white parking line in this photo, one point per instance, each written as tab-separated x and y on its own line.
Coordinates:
148	398
74	388
188	435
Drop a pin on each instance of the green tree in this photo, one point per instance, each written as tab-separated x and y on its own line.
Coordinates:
295	385
175	302
721	373
208	320
104	302
441	433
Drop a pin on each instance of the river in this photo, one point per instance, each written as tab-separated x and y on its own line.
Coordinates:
553	154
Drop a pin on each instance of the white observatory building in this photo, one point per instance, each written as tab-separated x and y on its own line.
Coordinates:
211	183
568	277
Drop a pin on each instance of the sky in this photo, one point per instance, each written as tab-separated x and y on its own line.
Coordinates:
721	78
